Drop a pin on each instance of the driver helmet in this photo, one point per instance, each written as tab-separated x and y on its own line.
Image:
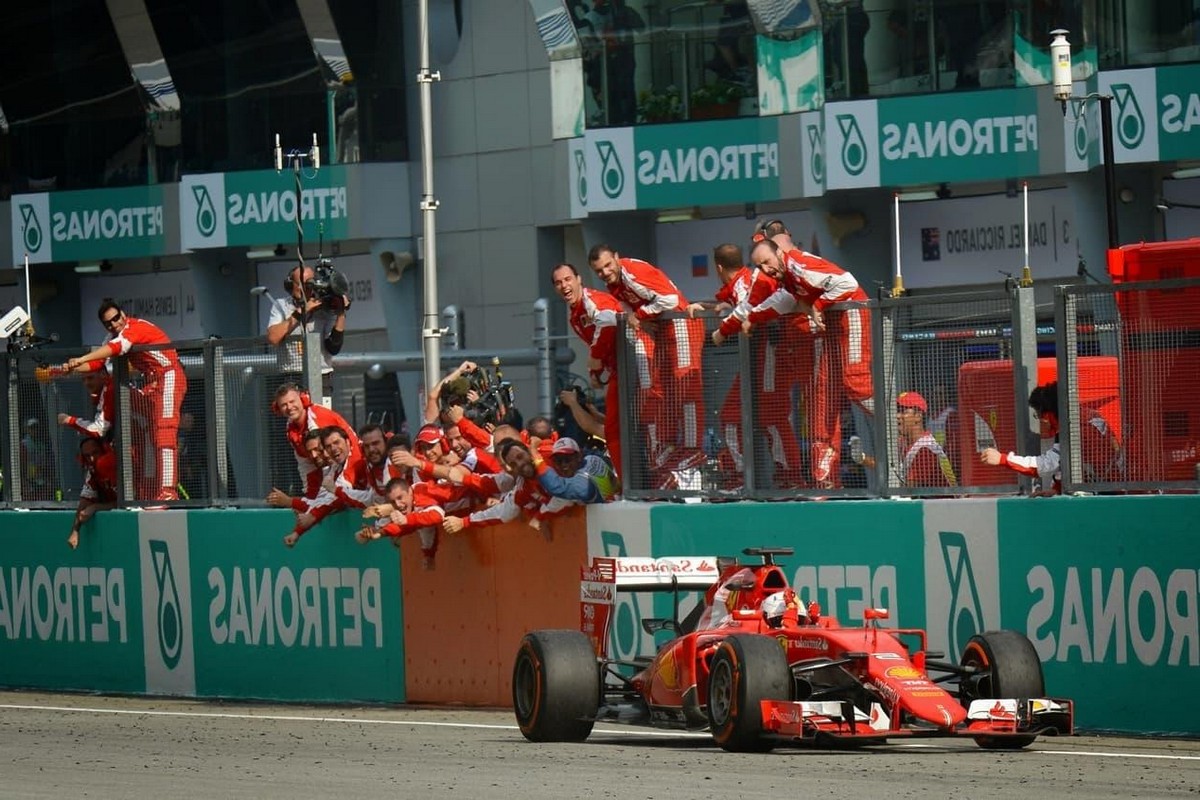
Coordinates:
774	607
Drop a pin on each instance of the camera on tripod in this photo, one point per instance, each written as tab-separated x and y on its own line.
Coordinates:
327	284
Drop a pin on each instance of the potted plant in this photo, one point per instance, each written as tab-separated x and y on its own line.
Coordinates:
663	105
716	100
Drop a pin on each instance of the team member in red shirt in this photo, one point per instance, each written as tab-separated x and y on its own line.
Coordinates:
755	298
99	483
412	512
593	317
99	386
302	415
844	365
925	462
670	390
161	395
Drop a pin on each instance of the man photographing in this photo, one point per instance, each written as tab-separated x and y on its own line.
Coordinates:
317	304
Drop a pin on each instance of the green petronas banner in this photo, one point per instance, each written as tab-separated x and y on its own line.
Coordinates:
983	135
199	604
88	225
681	164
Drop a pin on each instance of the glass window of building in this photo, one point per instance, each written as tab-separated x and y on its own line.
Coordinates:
245	72
370	111
75	116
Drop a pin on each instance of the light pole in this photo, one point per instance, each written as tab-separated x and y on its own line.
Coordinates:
1060	58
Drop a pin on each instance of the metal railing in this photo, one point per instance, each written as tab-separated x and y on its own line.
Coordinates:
230	449
950	377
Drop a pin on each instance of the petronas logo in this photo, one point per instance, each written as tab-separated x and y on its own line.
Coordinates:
33	228
206	215
966	611
612	176
816	146
1131	123
169	614
1080	134
581	187
854	146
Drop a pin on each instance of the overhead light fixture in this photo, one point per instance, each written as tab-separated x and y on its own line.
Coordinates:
668	215
1186	172
87	269
914	196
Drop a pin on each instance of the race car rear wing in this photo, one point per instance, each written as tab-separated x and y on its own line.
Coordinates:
600	583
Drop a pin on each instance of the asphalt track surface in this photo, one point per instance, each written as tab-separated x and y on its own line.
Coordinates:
85	746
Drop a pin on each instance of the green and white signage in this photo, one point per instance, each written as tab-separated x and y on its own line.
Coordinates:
199	603
88	225
1156	113
913	140
246	208
660	166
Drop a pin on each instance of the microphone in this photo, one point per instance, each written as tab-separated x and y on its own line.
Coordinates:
316	153
279	154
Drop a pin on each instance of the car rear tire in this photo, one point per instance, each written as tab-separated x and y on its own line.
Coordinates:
745	671
556	686
1008	666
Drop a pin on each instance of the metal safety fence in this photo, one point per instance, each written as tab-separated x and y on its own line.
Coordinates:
941	384
203	435
1129	361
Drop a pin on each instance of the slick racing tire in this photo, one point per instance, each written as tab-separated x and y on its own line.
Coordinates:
745	671
1008	666
556	686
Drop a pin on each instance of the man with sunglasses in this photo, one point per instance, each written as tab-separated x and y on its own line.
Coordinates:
160	397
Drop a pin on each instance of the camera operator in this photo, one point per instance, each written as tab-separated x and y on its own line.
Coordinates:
324	300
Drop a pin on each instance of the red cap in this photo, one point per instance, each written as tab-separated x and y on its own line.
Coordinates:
912	400
565	445
429	435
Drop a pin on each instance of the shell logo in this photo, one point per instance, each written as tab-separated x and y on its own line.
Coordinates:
668	669
904	672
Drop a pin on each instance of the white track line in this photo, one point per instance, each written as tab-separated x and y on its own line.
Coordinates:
426	723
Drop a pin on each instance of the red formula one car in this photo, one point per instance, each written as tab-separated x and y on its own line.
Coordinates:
758	668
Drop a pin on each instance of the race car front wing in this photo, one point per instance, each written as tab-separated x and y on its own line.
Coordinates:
995	719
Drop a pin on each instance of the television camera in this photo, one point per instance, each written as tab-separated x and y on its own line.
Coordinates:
494	396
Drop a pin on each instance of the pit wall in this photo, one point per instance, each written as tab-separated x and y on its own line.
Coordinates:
210	604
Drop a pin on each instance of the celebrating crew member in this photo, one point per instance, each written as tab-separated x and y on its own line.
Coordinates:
412	512
925	462
593	317
302	415
782	358
160	397
668	356
844	367
99	386
99	483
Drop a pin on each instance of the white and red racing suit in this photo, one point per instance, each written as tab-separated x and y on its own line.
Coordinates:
843	357
160	397
594	319
670	382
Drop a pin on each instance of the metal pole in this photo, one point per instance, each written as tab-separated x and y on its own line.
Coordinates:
545	349
1110	173
430	331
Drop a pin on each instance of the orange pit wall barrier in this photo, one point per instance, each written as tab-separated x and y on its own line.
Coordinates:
464	619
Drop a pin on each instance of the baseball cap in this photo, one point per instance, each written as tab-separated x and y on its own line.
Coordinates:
565	446
429	435
31	422
912	400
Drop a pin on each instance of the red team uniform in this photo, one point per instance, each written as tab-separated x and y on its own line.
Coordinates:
844	357
160	398
780	362
315	417
670	388
594	320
